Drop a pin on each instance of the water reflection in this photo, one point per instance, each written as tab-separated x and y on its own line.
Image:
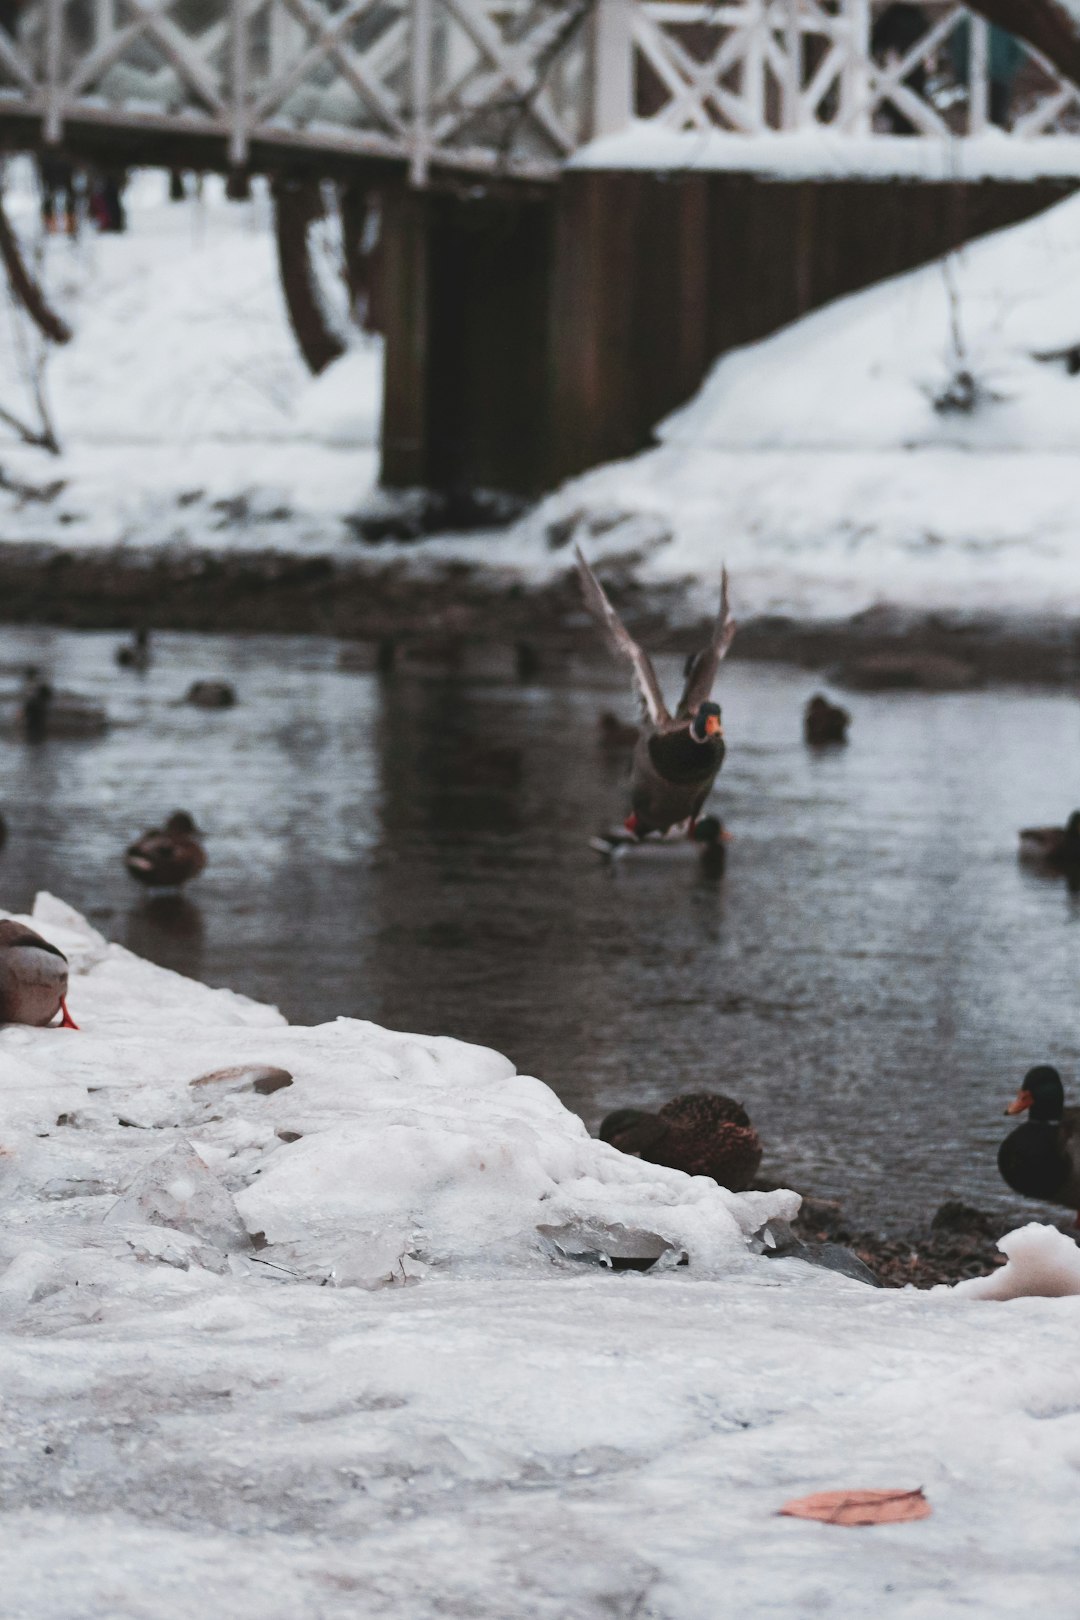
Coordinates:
871	973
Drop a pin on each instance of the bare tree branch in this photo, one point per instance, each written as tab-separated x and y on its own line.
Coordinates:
1052	26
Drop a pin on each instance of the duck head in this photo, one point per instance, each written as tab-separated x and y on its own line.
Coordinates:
181	825
1042	1095
1072	829
633	1130
706	723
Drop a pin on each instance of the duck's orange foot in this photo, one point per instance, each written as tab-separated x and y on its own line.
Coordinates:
67	1022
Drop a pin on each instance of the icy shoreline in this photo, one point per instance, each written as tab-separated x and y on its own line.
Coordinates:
463	1421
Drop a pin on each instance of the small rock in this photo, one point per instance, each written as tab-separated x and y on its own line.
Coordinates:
260	1077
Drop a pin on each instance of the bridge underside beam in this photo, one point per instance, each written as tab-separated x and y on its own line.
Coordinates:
160	144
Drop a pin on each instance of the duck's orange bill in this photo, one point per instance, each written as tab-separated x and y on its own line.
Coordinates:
712	726
1021	1103
67	1022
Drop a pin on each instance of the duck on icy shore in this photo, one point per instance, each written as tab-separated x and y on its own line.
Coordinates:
677	757
702	1133
1057	848
33	978
167	857
1041	1158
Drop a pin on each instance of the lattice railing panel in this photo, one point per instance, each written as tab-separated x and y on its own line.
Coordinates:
519	85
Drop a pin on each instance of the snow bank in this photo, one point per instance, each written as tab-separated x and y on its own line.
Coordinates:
1041	1261
192	1421
823	154
375	1142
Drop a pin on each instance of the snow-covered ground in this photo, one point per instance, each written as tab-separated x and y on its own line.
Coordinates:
411	1403
183	386
819	463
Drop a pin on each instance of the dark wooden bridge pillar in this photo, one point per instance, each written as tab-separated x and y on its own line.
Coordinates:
532	336
466	295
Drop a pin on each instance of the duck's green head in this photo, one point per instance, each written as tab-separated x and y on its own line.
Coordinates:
1042	1095
706	723
633	1130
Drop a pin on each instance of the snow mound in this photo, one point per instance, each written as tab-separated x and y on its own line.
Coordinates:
384	1147
1041	1262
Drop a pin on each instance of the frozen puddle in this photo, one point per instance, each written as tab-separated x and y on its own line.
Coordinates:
403	1398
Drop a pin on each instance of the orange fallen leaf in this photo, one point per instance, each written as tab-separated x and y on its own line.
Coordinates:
860	1507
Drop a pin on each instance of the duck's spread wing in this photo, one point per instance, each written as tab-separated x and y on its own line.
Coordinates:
623	644
704	665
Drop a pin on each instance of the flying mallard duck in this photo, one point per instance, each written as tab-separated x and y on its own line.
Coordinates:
1041	1158
33	978
676	760
825	722
1056	847
167	857
703	1133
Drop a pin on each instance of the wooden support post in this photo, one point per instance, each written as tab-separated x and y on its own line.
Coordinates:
405	295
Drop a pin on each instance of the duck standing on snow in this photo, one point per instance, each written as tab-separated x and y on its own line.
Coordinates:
167	857
33	978
825	722
1041	1158
702	1133
676	759
1055	847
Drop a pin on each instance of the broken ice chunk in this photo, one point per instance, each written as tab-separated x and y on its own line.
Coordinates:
177	1190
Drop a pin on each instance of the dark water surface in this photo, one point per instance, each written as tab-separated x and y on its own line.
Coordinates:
871	975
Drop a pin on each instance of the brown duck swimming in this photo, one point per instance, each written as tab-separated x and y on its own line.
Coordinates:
168	857
676	758
33	978
825	722
1041	1158
1055	847
703	1133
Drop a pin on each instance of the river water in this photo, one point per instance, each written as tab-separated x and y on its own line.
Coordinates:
871	974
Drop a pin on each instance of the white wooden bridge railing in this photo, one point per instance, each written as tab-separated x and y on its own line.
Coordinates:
515	85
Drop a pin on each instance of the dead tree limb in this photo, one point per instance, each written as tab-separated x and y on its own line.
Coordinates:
26	290
297	204
1052	26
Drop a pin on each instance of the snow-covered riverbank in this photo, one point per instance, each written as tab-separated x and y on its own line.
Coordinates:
916	446
409	1402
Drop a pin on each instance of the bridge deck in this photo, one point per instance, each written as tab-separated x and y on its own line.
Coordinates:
518	87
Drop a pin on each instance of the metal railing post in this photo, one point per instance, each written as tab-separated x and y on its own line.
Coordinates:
421	45
791	109
856	117
978	75
612	67
238	90
54	69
